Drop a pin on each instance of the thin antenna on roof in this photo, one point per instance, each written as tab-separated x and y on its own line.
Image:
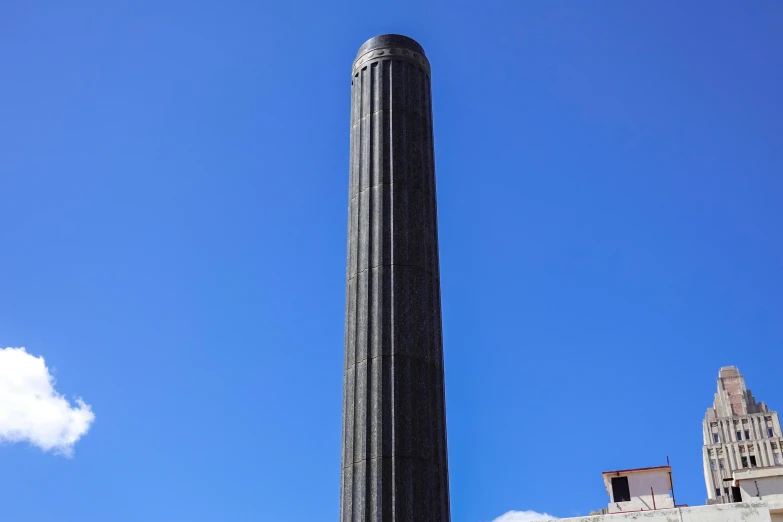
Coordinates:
671	481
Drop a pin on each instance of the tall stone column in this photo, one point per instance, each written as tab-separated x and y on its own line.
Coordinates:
394	457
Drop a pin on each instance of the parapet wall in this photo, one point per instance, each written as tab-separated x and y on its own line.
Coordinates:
737	512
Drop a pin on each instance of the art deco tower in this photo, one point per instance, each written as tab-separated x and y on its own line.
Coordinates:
394	458
738	433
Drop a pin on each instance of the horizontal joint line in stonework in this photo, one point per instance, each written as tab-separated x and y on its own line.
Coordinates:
390	56
417	186
356	68
430	360
405	109
425	270
437	462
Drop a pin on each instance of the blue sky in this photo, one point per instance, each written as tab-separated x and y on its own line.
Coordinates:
173	180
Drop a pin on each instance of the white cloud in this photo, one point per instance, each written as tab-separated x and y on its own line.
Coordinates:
31	409
523	516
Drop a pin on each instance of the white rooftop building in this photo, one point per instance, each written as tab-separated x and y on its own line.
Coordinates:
764	484
645	495
641	489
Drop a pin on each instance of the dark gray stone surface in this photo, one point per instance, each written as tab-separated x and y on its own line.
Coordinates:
394	456
390	40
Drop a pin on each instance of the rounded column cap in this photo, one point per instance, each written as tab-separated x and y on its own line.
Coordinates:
390	40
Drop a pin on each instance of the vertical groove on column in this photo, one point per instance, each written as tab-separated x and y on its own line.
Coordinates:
389	452
371	325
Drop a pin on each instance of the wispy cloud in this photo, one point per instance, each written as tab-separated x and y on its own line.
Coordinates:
523	516
31	409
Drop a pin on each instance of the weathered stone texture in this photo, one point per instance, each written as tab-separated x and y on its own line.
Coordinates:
394	460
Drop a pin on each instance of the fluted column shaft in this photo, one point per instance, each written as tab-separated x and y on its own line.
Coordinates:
394	456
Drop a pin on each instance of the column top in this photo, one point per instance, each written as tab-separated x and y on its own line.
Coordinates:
390	40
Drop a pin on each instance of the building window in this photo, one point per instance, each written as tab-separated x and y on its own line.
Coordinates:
747	434
715	437
739	435
712	465
620	490
726	491
720	463
752	461
717	492
744	462
770	433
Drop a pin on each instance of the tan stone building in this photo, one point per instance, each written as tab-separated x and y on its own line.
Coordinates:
739	433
